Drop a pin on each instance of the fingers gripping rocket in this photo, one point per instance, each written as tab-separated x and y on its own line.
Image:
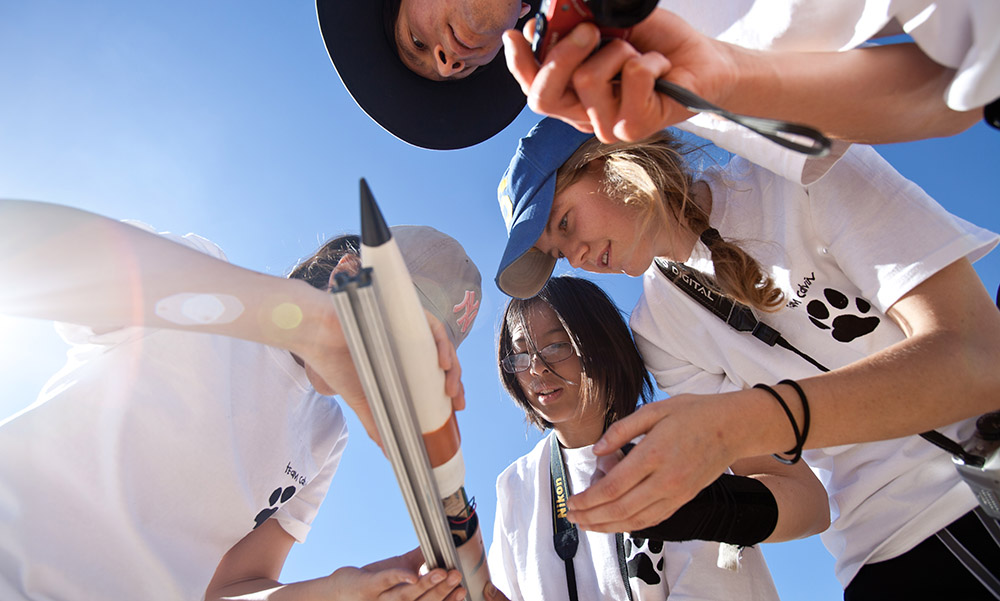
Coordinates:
396	357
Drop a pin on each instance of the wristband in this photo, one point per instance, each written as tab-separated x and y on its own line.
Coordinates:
796	451
805	412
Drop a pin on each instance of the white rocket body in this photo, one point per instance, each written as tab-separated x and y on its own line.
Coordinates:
408	328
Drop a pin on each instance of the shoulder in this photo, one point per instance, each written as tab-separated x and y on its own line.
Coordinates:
657	292
864	187
521	475
861	165
519	492
743	191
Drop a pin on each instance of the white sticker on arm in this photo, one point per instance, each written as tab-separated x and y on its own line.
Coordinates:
189	309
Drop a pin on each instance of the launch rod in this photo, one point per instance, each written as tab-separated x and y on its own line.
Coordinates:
359	354
393	415
403	423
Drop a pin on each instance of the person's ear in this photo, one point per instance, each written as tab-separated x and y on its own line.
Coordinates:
525	7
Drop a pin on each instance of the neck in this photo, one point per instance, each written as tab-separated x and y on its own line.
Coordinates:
580	433
701	195
683	239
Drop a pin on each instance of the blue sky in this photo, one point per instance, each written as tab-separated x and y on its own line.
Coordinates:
227	119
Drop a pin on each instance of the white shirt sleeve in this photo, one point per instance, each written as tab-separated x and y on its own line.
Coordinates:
963	35
500	557
790	164
868	218
296	516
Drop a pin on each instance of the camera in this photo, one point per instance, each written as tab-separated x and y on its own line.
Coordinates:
556	18
979	466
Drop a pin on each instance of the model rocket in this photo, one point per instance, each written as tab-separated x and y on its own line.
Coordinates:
396	358
416	352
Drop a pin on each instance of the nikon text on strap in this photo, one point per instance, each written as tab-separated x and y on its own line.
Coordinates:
565	535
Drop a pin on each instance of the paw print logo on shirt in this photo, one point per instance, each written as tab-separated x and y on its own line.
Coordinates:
848	324
279	496
644	559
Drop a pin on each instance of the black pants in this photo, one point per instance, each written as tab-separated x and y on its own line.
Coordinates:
929	570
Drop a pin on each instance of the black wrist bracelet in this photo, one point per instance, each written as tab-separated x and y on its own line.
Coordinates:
796	451
805	412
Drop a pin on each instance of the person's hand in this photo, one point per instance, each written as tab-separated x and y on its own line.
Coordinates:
548	87
448	361
684	450
396	579
585	91
592	91
251	568
325	365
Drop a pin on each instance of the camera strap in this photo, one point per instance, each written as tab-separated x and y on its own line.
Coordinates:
738	316
800	138
565	535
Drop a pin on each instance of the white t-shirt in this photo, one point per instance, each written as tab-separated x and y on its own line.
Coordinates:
843	250
524	565
149	455
961	34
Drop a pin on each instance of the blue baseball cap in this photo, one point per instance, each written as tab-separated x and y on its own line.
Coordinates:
525	195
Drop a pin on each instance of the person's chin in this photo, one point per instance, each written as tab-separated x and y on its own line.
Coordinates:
635	272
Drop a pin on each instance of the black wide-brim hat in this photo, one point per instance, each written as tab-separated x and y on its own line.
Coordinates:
440	115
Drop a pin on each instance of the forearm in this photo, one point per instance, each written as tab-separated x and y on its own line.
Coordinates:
875	95
65	264
919	384
880	94
371	582
263	589
803	506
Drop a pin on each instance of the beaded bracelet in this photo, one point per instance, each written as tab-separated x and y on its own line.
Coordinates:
796	451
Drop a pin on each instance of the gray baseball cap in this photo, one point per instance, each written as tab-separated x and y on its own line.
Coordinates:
448	282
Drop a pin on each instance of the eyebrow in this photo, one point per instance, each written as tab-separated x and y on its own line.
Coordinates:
554	216
521	334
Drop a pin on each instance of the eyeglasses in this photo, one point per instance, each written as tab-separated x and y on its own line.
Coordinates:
553	353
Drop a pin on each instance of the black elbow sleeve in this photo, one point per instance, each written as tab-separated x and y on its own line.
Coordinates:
733	509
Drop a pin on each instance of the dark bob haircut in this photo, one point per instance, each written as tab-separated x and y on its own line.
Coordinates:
613	369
